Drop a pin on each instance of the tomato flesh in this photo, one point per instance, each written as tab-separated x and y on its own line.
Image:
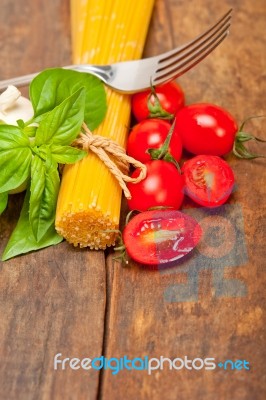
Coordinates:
158	237
206	129
209	180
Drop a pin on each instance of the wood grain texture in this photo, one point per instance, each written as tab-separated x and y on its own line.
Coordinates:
60	300
52	301
207	306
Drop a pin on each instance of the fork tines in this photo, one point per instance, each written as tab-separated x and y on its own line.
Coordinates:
176	62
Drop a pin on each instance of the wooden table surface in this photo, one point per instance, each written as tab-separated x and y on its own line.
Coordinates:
81	304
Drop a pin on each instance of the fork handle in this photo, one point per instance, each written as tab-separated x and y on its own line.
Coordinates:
18	81
25	80
103	72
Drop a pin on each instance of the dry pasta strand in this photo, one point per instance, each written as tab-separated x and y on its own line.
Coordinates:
103	31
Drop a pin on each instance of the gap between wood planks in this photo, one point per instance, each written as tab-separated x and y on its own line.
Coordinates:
106	324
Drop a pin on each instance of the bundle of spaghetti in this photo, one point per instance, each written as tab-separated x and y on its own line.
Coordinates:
103	32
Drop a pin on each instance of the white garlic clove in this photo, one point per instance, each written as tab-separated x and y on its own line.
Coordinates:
8	98
13	106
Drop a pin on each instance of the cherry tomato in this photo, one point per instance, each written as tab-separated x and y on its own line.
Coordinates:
163	186
151	134
157	237
209	180
206	129
170	95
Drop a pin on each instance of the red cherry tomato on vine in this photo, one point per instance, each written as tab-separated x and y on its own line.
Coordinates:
151	134
160	236
209	180
163	186
170	95
206	129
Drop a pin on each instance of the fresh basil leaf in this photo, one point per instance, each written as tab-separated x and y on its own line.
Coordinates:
52	86
41	151
37	187
15	157
12	136
21	123
61	125
43	195
66	154
22	239
3	201
30	131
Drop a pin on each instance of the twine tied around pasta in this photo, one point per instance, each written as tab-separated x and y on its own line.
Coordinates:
112	155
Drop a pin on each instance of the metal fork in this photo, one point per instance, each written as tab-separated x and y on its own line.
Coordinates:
137	75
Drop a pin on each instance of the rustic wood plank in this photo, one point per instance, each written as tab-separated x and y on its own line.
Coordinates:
207	306
52	301
34	35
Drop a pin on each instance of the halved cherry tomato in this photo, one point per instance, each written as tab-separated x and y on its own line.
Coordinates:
206	129
158	237
170	96
209	180
163	186
151	134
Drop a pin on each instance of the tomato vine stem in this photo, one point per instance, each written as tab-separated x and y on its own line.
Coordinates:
239	149
162	153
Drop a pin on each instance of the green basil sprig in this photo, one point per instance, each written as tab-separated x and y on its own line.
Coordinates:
22	239
15	157
3	201
54	85
31	151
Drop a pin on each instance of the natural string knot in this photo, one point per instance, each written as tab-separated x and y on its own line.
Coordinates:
119	162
